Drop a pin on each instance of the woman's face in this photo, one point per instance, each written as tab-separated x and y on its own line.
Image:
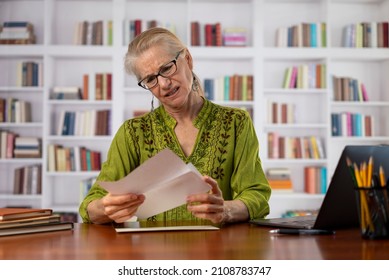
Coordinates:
172	91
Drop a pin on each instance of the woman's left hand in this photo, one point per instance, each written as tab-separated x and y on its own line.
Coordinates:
210	205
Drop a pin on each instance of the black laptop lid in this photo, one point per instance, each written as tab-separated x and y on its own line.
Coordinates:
339	207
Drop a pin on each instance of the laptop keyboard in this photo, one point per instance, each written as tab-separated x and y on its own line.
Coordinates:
303	221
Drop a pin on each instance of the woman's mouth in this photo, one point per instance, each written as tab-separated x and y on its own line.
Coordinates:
172	92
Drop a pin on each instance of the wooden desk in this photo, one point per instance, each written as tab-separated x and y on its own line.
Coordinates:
238	241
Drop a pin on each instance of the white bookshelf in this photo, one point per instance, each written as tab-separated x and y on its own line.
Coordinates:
64	64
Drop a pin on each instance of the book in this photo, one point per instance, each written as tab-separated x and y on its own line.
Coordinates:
37	228
29	221
7	214
164	179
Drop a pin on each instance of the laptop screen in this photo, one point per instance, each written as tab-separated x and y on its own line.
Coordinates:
339	207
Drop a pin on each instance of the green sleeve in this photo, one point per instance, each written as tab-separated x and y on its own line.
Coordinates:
120	161
248	180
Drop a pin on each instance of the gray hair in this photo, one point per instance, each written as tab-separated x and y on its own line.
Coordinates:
156	36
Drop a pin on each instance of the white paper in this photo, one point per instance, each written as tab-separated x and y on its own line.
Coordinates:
164	179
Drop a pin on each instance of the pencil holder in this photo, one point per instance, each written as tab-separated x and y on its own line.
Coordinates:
373	211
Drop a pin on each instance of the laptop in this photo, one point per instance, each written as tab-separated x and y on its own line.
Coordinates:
339	207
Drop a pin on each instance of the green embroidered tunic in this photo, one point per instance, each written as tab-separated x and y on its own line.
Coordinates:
226	149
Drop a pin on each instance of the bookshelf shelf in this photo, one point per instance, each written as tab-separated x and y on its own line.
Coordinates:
72	173
24	124
360	104
20	196
268	127
295	161
78	138
65	63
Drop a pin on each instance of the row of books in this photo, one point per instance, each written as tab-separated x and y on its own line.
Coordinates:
29	74
15	110
352	124
28	179
287	147
235	87
65	159
315	179
85	186
366	35
97	86
93	33
279	179
212	34
17	32
281	113
133	27
84	123
16	221
305	76
14	146
349	89
299	212
305	34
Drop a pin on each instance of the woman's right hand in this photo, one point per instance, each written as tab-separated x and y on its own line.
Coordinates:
117	208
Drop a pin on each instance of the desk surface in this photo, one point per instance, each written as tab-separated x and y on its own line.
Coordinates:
238	241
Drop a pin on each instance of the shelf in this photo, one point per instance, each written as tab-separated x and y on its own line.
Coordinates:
26	124
73	173
360	104
78	138
267	127
20	196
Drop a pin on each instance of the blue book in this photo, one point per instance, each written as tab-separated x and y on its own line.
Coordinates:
323	177
208	89
227	88
313	35
15	24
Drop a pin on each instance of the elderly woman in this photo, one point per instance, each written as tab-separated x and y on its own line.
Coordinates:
219	141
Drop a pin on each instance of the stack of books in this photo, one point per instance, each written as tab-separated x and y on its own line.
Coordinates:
15	221
279	179
27	147
17	32
67	93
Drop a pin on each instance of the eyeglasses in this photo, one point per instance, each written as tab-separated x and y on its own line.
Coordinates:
165	71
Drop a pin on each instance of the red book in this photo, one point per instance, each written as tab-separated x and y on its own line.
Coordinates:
85	87
310	179
218	35
84	166
385	30
109	86
195	33
208	34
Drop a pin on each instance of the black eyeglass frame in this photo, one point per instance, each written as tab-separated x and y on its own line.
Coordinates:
174	61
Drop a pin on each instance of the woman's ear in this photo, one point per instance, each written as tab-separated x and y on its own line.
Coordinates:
188	59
